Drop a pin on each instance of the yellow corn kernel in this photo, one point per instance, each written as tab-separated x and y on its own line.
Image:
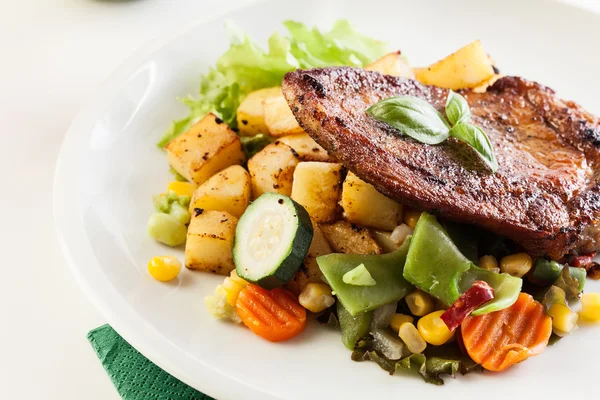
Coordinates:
316	297
398	319
411	217
412	338
420	303
233	285
590	307
181	188
433	329
563	319
489	262
516	264
164	268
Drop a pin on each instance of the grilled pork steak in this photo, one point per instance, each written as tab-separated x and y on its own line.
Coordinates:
545	194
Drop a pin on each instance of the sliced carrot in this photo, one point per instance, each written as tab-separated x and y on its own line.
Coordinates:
500	339
274	314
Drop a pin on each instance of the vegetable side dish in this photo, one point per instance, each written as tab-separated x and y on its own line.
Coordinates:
444	219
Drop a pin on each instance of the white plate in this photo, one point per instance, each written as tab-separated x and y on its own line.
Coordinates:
109	168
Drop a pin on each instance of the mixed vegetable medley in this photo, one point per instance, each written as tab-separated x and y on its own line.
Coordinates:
255	198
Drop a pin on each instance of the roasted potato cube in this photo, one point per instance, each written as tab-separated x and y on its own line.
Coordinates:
306	147
348	238
469	67
210	242
309	272
250	114
228	191
279	118
364	205
317	187
207	148
392	64
272	169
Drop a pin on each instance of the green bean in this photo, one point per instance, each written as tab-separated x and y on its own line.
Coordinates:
353	327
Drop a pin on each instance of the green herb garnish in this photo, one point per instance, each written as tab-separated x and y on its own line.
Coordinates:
421	121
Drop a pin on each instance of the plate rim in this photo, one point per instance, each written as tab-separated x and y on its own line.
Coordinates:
215	383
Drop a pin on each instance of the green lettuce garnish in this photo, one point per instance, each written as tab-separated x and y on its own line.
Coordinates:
431	365
246	67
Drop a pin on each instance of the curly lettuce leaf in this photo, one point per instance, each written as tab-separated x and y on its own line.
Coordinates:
430	368
365	351
246	67
435	362
438	361
340	46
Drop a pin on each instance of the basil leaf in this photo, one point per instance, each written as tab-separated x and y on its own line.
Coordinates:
457	109
412	116
476	138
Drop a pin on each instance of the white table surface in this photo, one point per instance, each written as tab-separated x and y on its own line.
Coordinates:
53	56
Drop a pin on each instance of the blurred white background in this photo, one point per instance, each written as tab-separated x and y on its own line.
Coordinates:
53	56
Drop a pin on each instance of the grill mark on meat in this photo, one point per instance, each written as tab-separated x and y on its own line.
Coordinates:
545	195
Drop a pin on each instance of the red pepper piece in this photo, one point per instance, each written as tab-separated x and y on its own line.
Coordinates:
479	294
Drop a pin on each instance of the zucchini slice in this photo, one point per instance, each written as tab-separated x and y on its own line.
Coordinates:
271	240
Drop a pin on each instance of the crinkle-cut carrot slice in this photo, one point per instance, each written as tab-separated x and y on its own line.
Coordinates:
500	339
274	314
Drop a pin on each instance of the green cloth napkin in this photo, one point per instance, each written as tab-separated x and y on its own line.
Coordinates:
134	376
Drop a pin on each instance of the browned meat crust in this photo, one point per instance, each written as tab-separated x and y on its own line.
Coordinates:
546	193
